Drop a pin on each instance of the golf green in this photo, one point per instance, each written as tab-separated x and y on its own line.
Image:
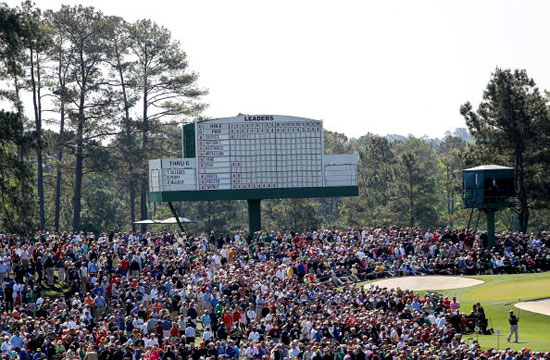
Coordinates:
497	295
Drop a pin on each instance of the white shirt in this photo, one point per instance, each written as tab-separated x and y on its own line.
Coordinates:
17	289
150	342
251	314
264	288
83	271
294	352
6	347
253	336
251	352
70	324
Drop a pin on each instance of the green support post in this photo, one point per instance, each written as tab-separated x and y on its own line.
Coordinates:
175	212
490	227
254	215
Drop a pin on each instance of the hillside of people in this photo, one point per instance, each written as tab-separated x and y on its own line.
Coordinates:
270	295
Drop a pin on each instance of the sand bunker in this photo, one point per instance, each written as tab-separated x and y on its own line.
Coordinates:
537	306
426	282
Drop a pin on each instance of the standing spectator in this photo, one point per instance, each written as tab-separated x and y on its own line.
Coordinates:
61	275
454	306
49	265
134	269
190	333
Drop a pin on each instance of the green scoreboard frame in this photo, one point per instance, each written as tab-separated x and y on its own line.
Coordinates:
252	196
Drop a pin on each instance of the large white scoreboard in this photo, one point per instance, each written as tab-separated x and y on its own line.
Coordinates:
253	152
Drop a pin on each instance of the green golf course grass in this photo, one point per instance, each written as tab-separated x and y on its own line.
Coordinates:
497	295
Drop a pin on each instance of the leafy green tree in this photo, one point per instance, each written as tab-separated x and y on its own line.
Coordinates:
336	143
415	193
122	79
298	214
375	171
37	44
167	86
450	152
86	30
511	123
103	208
15	175
57	79
217	216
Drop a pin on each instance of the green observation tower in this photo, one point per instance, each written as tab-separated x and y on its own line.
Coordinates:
252	157
488	188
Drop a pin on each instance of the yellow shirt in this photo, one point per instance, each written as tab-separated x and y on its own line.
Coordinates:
289	272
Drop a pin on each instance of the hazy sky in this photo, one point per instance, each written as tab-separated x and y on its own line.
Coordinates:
361	66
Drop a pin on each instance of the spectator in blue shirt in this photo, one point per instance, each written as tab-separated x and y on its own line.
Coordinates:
16	341
99	303
206	321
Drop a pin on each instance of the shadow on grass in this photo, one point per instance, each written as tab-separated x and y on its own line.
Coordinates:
55	291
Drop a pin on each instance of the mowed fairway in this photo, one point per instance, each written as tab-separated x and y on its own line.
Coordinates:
498	294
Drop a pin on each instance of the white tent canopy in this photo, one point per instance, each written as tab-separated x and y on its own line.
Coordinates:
170	220
147	222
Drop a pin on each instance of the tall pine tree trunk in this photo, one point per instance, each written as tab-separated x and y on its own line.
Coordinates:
143	202
129	148
78	180
19	107
61	78
79	152
145	143
36	100
133	207
58	175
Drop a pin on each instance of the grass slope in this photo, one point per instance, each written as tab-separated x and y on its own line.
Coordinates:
498	295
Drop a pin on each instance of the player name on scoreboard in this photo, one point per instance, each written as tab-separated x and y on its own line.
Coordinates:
172	174
254	152
214	161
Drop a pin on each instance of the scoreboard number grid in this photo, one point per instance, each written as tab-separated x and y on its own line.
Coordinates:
254	152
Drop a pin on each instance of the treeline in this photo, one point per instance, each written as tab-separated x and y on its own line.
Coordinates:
104	95
90	98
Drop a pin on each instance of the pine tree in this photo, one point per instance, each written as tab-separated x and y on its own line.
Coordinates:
511	123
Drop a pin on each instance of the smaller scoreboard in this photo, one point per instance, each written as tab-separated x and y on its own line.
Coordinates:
253	157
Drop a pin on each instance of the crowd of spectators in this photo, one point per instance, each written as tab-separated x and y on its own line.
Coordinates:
263	296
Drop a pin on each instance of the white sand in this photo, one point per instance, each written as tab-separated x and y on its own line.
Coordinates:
426	282
538	306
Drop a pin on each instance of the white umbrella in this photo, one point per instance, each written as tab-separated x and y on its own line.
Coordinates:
172	220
